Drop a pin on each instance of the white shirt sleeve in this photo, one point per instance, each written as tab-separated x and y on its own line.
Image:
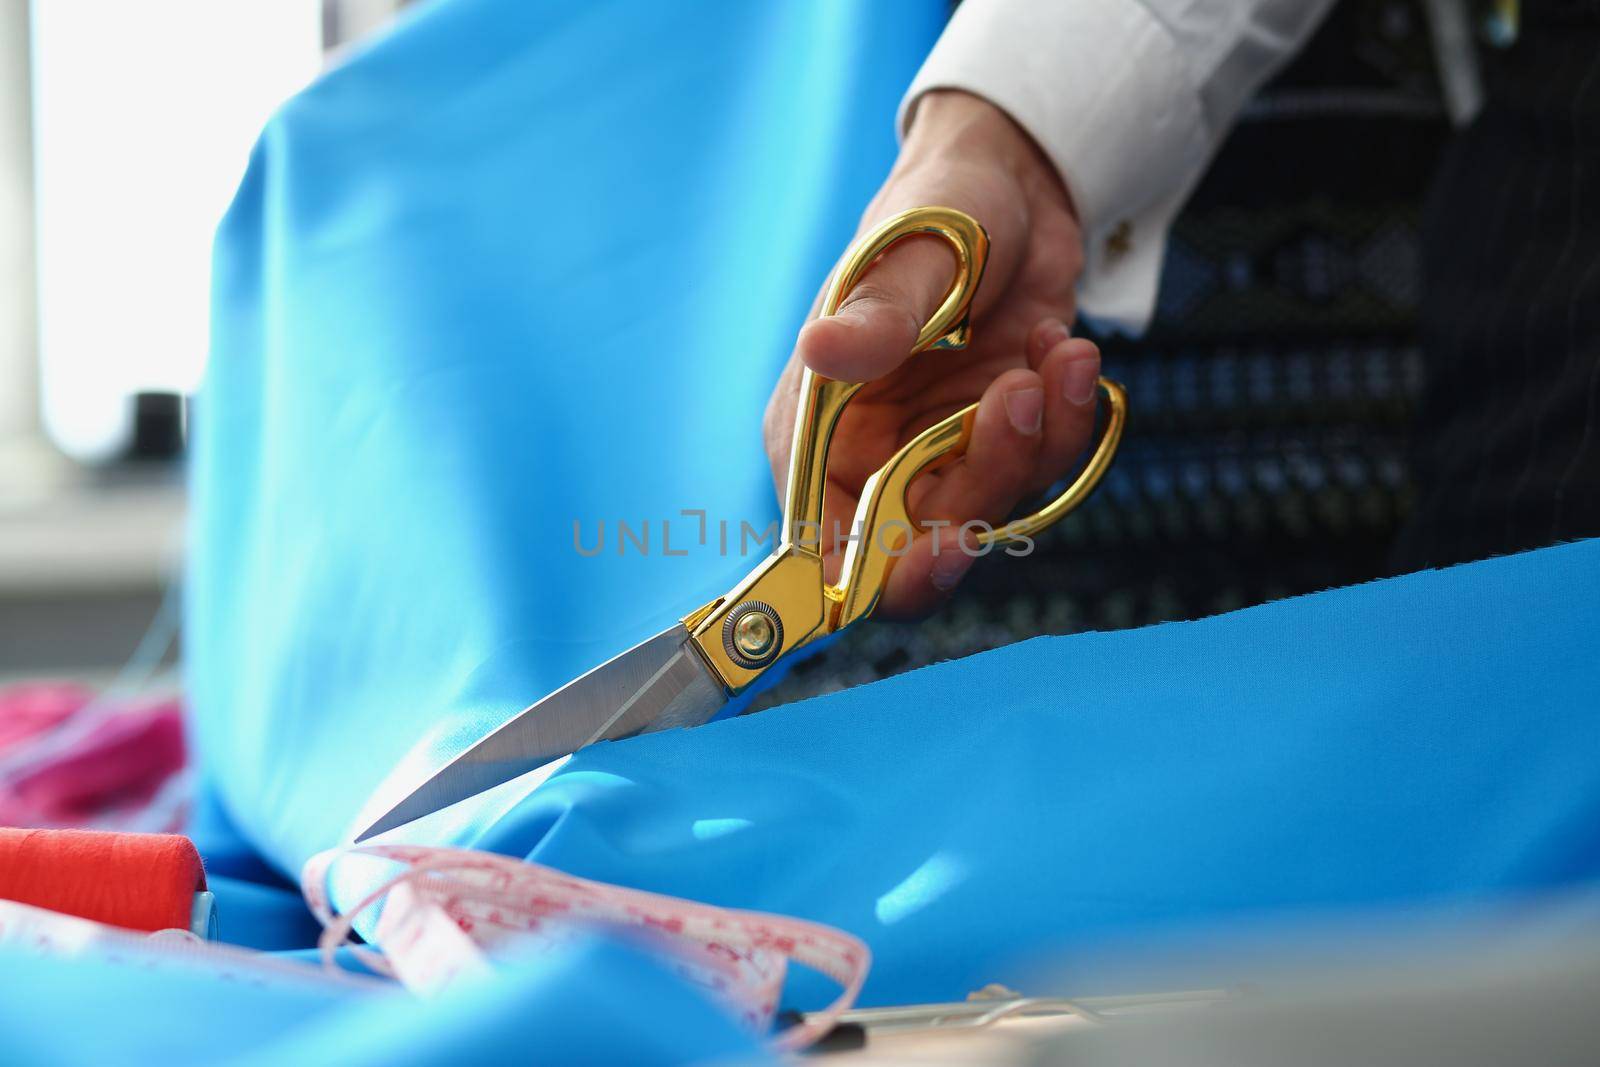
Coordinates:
1129	99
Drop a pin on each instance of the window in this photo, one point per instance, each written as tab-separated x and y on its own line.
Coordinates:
124	129
143	118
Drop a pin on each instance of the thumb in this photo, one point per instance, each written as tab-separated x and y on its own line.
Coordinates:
877	323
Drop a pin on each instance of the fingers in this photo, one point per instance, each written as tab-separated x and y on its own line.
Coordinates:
1000	458
985	484
878	322
1070	368
1031	429
928	573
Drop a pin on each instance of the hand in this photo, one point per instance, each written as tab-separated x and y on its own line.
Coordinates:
1034	382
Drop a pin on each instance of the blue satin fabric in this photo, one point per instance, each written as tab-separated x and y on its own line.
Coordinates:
1428	740
574	1007
517	267
525	265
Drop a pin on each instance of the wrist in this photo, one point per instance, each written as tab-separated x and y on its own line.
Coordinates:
953	127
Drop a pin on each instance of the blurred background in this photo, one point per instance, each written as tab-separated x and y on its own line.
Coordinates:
1266	454
114	172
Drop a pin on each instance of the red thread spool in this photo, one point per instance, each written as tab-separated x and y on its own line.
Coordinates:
137	881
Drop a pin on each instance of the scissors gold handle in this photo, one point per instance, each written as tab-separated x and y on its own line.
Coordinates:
787	601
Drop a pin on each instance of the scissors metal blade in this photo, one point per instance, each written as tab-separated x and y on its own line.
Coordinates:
658	684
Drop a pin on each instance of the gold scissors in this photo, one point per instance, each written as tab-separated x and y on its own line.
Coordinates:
683	676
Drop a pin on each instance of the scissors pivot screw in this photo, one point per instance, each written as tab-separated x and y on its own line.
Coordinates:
753	634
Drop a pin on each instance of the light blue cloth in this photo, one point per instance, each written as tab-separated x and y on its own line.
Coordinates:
518	266
522	265
593	1003
1428	740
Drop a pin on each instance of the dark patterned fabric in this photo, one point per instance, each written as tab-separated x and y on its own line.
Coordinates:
1508	440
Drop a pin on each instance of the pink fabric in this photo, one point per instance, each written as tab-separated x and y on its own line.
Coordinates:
69	759
26	710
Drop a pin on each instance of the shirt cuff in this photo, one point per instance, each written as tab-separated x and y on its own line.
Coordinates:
1103	88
